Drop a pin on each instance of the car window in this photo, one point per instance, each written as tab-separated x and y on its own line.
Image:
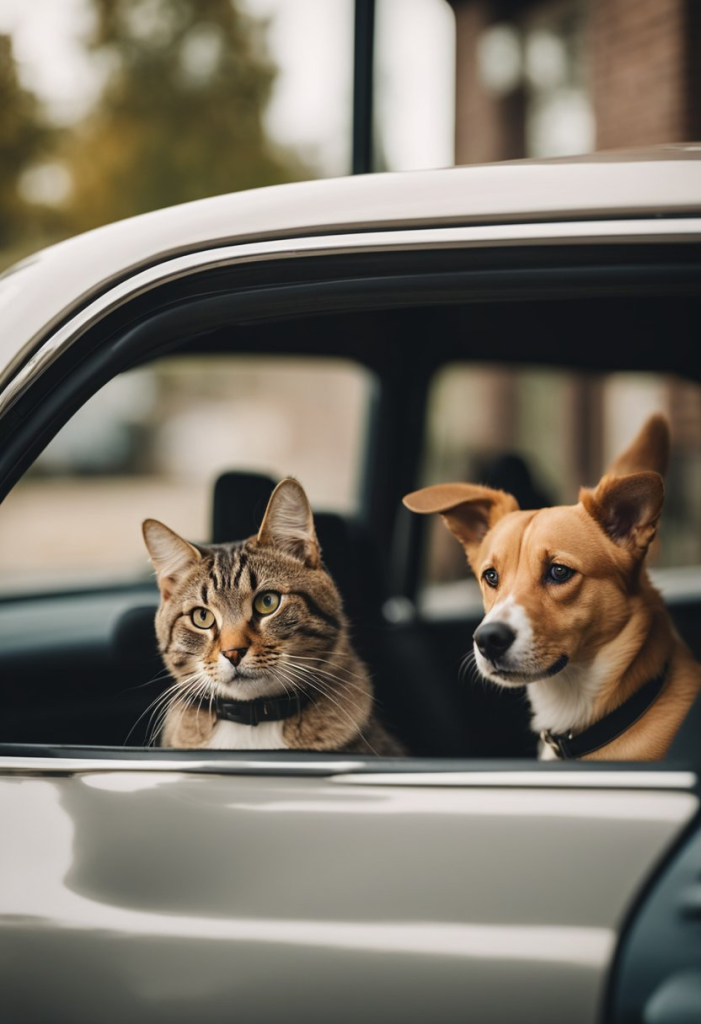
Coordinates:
541	433
152	443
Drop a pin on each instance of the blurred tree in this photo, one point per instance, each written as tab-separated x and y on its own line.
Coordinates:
181	113
24	137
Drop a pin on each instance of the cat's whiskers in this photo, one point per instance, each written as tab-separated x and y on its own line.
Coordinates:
325	661
345	680
159	713
153	705
199	695
329	689
356	727
188	688
304	672
159	676
278	679
304	675
195	691
297	660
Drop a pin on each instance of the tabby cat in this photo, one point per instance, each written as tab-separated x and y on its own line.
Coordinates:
255	636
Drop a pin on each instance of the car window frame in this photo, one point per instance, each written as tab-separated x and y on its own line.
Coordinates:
44	374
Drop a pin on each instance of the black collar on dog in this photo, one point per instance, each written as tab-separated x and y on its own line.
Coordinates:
264	709
569	747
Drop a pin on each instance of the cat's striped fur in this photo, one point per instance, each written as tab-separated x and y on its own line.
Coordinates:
216	599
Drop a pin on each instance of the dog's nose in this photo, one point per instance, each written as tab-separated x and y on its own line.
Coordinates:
493	639
235	654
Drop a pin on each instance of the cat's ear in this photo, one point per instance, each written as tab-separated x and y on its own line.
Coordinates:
288	524
172	556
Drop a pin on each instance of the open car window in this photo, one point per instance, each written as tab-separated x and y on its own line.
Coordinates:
372	374
153	442
541	433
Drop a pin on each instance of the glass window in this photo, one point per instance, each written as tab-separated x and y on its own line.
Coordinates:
152	443
541	434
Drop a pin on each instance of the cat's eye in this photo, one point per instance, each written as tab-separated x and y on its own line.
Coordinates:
267	602
202	618
491	577
558	573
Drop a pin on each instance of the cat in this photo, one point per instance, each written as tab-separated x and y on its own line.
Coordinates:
255	636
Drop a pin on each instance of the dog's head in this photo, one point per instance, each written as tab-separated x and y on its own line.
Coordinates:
557	582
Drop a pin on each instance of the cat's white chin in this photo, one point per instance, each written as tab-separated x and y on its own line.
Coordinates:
249	687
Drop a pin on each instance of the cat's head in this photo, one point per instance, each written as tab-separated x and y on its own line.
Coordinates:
253	618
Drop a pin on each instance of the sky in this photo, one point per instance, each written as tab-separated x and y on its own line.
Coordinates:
311	41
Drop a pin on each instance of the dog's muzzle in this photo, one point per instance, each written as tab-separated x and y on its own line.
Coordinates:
493	639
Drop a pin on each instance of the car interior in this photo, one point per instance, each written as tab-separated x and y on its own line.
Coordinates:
522	369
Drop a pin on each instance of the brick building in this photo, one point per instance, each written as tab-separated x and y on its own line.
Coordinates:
543	78
551	77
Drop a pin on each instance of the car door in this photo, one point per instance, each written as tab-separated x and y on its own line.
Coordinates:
169	889
177	885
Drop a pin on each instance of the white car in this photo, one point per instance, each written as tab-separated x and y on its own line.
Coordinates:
368	335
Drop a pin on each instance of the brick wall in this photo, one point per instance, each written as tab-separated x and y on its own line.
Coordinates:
643	68
642	63
487	127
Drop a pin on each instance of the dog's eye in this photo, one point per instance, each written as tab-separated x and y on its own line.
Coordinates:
559	573
491	577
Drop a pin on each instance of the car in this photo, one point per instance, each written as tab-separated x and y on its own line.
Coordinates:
368	335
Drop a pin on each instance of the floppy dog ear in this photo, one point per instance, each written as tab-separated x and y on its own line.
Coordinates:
627	508
648	450
468	510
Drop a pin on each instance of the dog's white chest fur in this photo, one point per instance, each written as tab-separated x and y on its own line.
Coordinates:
565	702
234	736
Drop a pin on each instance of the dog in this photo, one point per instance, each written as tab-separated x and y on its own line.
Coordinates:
571	614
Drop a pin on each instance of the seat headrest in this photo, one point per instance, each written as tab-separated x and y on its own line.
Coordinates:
238	505
354	561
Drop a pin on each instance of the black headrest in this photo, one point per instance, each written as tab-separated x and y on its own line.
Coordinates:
239	502
354	561
134	640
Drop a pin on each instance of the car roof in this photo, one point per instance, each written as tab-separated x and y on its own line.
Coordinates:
41	291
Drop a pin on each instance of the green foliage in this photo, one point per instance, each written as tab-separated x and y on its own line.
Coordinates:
179	117
24	137
181	113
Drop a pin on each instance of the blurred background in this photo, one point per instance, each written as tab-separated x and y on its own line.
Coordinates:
110	108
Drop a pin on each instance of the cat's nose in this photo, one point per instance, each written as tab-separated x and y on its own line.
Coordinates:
494	639
235	654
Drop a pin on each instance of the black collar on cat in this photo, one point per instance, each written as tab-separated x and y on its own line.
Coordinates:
607	729
263	709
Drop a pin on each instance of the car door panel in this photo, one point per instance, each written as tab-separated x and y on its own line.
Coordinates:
172	896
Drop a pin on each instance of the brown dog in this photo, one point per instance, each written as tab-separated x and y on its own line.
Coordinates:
570	611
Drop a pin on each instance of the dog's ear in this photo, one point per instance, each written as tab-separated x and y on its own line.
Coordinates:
648	451
627	508
468	510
